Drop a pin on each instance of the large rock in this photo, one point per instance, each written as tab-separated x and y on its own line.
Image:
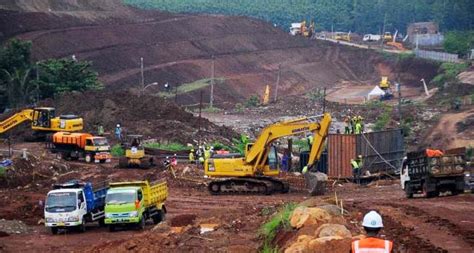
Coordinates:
328	230
304	216
307	244
333	244
300	245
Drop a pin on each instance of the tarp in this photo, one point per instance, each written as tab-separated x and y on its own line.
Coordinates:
375	92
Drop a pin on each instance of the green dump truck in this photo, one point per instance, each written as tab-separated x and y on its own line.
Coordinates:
133	203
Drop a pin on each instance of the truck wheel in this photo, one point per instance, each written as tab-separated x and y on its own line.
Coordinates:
123	162
112	228
82	227
88	158
142	223
101	223
408	191
159	217
54	230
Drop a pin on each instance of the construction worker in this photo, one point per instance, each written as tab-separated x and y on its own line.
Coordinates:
174	160
347	128
361	121
100	130
372	224
118	132
191	156
355	171
207	153
310	140
353	124
358	127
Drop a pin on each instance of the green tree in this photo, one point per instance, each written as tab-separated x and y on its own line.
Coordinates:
63	75
18	87
458	42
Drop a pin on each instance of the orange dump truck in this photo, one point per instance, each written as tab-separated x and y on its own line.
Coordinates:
74	146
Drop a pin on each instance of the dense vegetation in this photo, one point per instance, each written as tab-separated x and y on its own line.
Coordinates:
23	82
355	15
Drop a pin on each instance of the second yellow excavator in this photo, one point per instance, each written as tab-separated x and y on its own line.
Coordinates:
255	172
43	121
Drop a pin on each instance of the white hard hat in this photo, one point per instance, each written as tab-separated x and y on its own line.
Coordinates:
372	220
118	125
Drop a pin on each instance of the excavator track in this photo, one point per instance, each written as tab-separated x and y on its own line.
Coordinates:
248	185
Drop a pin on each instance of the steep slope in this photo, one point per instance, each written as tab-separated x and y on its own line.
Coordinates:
178	49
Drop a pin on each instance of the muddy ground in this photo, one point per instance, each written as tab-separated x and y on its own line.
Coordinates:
441	224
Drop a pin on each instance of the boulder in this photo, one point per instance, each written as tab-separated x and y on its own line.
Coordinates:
328	230
333	244
300	245
331	209
303	216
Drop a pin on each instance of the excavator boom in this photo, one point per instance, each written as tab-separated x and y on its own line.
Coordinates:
15	120
253	172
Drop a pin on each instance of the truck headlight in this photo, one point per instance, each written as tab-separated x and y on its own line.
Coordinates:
73	218
133	214
50	220
108	215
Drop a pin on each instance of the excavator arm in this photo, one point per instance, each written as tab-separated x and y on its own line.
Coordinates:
259	149
15	120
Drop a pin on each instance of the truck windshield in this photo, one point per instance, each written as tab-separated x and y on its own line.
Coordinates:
100	142
61	202
122	197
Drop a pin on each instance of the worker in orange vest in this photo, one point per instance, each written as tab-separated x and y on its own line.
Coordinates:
372	224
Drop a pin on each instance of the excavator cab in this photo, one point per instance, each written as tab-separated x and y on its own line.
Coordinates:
42	116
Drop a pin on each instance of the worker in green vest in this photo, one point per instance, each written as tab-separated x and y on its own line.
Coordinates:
355	171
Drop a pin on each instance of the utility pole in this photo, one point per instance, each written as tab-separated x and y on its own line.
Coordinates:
199	121
399	88
176	95
383	30
277	82
142	75
324	100
211	103
37	84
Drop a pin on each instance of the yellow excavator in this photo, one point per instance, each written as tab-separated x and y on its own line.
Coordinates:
43	121
255	172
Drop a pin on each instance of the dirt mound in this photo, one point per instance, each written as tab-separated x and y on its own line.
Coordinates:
150	116
60	5
178	49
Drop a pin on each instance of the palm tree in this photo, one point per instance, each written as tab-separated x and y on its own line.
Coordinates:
18	87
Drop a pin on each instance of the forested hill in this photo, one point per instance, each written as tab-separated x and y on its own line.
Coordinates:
361	16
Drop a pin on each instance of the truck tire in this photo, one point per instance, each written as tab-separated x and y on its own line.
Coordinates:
111	228
159	217
123	162
142	223
82	227
54	230
408	191
88	158
101	223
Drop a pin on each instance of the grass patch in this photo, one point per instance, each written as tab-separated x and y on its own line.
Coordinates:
448	73
383	119
117	150
269	249
211	109
173	146
188	87
281	220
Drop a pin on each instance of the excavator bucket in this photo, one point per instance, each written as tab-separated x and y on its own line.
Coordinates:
316	182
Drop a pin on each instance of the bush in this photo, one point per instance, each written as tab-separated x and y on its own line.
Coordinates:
383	119
252	101
117	150
281	220
173	146
458	42
448	73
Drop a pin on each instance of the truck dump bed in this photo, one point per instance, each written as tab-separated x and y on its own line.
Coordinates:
77	139
153	193
452	163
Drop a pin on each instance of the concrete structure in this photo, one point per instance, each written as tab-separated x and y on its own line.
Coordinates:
424	34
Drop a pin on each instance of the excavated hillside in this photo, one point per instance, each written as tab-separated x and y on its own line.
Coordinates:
178	49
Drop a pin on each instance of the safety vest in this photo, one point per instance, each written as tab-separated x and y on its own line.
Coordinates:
207	154
358	128
191	156
354	164
372	245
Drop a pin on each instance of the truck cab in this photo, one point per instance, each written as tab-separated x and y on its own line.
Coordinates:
99	146
65	208
73	204
124	205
